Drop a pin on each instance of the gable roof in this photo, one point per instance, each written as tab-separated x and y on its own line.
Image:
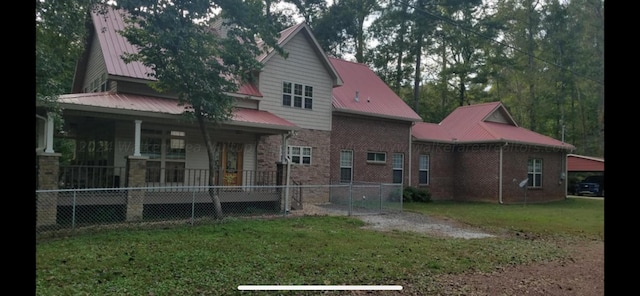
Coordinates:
107	27
287	35
483	123
583	163
118	103
374	97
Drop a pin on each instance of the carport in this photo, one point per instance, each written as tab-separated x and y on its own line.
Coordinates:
581	166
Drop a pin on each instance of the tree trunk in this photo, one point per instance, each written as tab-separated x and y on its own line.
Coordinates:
417	77
213	193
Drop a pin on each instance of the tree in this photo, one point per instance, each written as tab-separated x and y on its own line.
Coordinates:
60	32
175	39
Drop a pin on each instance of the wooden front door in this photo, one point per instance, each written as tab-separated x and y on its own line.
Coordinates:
229	164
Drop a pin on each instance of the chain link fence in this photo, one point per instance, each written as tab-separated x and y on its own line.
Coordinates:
65	211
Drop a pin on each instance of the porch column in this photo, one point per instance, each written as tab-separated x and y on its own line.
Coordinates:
48	169
136	175
136	143
49	138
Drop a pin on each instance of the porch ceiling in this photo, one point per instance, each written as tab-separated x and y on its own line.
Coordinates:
137	105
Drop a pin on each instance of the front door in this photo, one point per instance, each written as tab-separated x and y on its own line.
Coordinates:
229	164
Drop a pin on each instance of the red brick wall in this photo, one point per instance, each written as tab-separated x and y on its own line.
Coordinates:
441	169
366	134
472	172
515	159
317	173
476	172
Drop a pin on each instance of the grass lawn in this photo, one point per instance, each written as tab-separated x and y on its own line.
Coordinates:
213	259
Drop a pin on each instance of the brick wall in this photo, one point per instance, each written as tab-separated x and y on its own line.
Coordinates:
441	169
515	159
472	172
367	134
476	172
317	173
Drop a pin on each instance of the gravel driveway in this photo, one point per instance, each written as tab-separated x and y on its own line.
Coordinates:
403	221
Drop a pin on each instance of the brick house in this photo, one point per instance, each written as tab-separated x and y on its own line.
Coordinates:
335	121
479	153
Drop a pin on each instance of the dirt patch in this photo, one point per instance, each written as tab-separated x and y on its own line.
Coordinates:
580	274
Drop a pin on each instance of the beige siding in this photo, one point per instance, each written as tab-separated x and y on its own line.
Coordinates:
305	67
249	159
497	117
95	66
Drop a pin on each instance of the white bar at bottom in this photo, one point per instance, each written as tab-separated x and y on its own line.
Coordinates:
316	288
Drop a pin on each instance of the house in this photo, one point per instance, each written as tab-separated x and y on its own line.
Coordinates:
323	120
371	133
479	153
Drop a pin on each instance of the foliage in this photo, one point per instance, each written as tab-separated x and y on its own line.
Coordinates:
214	259
201	63
414	194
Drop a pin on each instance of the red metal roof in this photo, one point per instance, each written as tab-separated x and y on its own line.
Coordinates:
118	102
483	123
374	96
431	131
582	163
114	46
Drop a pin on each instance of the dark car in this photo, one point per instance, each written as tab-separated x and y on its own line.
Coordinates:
592	185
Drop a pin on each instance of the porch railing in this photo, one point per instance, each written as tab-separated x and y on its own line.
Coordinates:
82	177
177	177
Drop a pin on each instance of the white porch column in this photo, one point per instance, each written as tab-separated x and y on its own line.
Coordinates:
136	145
49	138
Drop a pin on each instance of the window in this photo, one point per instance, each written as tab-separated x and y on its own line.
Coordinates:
376	157
398	163
299	154
423	169
167	153
346	166
534	173
297	95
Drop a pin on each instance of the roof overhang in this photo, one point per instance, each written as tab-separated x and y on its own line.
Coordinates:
126	106
376	115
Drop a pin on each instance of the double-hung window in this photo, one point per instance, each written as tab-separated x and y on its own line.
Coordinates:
346	166
534	172
423	169
398	164
297	95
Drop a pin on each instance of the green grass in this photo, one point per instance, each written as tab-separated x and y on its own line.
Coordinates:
214	259
573	217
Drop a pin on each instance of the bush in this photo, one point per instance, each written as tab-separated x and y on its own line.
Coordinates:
411	194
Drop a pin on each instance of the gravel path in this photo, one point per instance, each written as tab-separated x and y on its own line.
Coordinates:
404	221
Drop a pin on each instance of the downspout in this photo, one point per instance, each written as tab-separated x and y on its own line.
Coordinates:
287	159
410	149
500	174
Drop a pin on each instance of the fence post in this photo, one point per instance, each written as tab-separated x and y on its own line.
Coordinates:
193	206
380	195
48	167
136	176
350	197
73	210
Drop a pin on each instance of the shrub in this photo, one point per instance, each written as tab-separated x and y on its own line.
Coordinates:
410	194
